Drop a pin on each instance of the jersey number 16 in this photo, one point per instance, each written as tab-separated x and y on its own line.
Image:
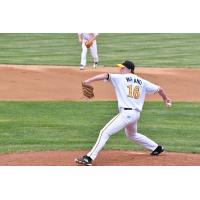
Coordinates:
133	92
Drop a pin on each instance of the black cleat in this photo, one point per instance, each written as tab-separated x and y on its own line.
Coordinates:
85	160
82	67
95	64
157	151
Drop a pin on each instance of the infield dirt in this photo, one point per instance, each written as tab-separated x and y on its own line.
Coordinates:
64	83
105	158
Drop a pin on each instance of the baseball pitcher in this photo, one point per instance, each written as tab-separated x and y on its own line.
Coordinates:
88	41
130	91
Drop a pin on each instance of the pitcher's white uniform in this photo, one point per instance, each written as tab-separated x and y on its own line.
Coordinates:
93	49
130	92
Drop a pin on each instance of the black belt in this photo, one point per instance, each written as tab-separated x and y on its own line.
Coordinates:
128	108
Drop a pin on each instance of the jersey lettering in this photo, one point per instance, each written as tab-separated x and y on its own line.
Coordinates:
136	92
135	80
128	79
138	81
133	92
130	91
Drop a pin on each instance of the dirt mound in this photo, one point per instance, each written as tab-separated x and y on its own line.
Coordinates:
105	158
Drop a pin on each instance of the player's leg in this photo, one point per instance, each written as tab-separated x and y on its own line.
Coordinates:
83	56
132	134
112	127
94	53
119	122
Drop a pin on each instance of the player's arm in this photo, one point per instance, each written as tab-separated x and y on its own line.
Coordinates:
99	77
166	100
80	37
94	36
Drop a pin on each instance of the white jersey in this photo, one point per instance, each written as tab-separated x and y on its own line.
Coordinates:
87	36
131	90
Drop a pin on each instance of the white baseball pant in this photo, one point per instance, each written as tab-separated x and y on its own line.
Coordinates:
93	51
126	119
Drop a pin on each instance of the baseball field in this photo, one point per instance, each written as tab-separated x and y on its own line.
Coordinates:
45	120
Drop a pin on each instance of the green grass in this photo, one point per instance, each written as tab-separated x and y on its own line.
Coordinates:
40	126
148	49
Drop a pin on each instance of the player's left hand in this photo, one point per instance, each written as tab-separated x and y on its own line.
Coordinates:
88	90
88	43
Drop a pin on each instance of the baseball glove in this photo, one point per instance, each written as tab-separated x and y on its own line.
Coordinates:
88	44
88	90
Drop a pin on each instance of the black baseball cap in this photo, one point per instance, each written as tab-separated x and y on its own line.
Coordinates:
128	64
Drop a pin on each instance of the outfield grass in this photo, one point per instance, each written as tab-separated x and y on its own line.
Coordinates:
40	126
148	49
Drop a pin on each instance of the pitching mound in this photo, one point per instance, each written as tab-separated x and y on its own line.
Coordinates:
105	158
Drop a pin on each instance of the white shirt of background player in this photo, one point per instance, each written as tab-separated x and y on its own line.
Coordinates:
83	37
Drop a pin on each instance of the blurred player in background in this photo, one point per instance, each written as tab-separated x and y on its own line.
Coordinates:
88	37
